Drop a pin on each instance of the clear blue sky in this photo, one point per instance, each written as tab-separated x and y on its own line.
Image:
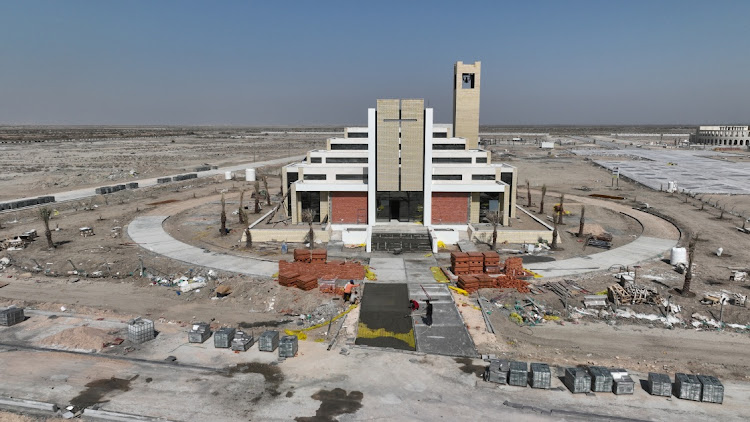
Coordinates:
325	62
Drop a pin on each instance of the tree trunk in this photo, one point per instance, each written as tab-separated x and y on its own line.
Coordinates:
580	224
223	216
689	270
248	239
45	213
528	193
257	202
494	236
541	203
268	193
311	235
561	211
241	211
554	234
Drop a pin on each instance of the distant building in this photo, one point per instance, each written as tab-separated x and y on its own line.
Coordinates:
404	168
722	136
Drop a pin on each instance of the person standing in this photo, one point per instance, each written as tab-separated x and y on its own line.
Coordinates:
428	314
348	290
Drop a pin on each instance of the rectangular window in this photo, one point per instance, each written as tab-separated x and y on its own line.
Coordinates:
452	160
356	135
442	135
481	160
360	147
446	177
351	177
452	147
338	160
311	201
314	177
315	160
467	81
482	177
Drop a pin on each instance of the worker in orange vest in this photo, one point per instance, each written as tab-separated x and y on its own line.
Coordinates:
348	290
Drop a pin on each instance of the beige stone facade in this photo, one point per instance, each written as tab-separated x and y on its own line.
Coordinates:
387	145
466	85
412	145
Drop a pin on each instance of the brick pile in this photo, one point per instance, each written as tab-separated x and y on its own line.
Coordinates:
331	270
307	282
491	262
288	278
472	283
459	263
506	282
315	256
514	267
476	262
468	283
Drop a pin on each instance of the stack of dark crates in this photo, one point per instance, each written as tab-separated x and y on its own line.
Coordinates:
623	383
518	374
223	337
242	341
268	341
577	380
540	376
601	379
713	390
11	316
288	346
199	333
687	387
497	371
659	384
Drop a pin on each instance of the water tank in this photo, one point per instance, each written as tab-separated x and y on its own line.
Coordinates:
250	175
679	256
228	175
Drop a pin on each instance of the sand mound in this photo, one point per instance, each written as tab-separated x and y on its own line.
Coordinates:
79	338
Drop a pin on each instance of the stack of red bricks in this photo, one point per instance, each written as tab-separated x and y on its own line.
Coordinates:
491	262
468	283
459	263
514	267
307	282
315	256
476	262
507	282
334	269
288	278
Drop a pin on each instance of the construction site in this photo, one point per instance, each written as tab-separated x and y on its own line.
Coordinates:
403	270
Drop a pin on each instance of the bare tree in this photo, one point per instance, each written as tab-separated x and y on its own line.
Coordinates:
268	193
308	216
223	229
241	211
528	193
689	270
554	232
45	213
581	223
494	218
257	202
541	203
561	209
248	238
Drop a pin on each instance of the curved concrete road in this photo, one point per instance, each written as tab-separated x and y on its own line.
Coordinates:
657	237
148	232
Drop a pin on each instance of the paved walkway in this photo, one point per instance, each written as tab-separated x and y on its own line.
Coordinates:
148	232
78	194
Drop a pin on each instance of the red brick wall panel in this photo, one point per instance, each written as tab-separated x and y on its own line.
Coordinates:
347	206
450	207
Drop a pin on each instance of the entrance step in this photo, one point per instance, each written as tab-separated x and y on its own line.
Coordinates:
392	238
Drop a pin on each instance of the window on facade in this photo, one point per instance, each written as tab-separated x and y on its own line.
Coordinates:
348	147
467	81
356	135
440	135
311	201
454	147
452	160
315	160
314	177
345	160
489	202
481	160
482	177
351	177
446	177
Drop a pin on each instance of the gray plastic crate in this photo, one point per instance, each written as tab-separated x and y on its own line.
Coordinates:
540	376
497	371
242	341
223	337
288	346
199	332
659	384
11	316
268	341
577	380
140	330
518	374
687	387
132	185
622	383
601	379
712	389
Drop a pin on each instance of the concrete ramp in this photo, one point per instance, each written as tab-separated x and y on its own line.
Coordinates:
448	334
384	319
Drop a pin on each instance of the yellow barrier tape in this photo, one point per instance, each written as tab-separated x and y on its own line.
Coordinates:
427	255
301	333
438	275
602	293
363	331
459	291
516	318
533	273
551	318
476	307
369	274
320	340
441	244
275	275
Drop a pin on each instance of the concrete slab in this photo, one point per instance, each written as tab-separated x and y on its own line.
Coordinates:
418	270
447	335
390	270
149	233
